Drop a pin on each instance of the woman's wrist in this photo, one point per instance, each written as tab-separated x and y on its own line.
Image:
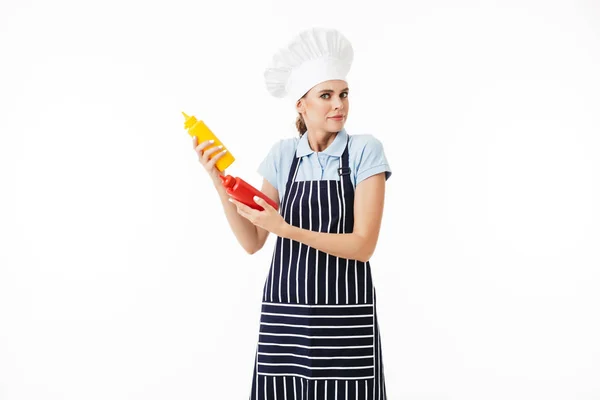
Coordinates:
285	231
217	182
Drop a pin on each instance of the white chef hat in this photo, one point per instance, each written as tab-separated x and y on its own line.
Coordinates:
313	56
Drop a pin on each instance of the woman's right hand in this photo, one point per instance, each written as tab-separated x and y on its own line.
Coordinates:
207	162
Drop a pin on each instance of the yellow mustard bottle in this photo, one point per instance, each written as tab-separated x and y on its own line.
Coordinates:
201	131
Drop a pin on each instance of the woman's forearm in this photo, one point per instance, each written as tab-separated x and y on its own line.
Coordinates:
346	245
245	231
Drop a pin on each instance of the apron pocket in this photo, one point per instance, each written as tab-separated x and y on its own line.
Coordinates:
316	341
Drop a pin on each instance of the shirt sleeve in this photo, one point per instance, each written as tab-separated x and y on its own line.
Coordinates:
269	167
372	160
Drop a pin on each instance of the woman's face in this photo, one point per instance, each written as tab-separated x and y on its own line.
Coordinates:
323	102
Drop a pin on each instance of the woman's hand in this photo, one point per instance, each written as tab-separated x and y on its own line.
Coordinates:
269	219
207	162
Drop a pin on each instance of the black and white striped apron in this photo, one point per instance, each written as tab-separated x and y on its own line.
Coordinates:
319	337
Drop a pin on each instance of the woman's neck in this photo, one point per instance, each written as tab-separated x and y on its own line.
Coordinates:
320	140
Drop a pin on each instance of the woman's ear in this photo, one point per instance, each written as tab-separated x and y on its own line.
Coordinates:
300	106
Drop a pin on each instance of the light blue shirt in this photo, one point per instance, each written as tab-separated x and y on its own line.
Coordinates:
365	158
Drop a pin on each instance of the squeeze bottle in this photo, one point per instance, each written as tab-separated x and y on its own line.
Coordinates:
201	131
243	192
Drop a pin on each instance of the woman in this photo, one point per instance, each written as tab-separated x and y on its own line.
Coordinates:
319	336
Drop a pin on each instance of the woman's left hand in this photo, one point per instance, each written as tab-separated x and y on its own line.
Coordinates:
268	219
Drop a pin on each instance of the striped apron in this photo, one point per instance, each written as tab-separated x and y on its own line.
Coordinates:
319	337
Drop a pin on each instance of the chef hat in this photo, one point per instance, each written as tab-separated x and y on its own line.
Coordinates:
313	56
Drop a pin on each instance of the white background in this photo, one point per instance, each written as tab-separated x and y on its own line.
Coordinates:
120	277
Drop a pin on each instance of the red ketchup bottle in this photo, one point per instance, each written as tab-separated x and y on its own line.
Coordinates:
243	192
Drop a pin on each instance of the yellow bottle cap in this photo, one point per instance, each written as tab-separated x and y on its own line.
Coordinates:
189	121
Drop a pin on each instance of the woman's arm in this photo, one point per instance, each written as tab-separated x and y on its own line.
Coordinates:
245	232
273	194
360	244
251	237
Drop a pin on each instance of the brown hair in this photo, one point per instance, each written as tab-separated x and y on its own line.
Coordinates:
300	124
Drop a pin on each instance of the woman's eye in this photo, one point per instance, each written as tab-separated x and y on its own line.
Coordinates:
327	94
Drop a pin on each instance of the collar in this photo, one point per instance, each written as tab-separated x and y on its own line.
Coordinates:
336	148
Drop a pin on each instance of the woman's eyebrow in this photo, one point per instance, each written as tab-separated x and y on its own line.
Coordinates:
329	90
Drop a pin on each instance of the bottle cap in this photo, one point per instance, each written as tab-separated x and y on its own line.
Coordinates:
228	181
189	121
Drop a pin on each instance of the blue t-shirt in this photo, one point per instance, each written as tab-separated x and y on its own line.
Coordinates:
365	158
